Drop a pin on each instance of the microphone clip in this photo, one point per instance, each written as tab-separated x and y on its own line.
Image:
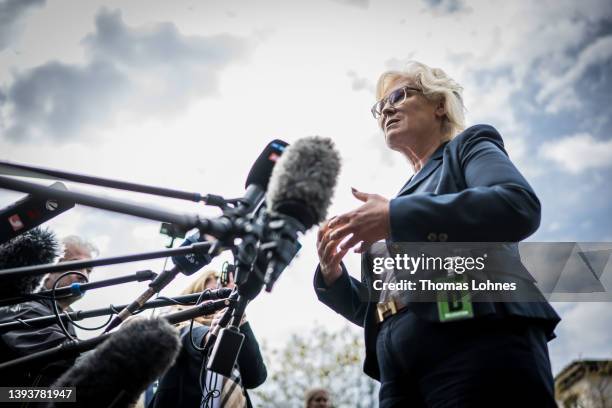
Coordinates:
280	245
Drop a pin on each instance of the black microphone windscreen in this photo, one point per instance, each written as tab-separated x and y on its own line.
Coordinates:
262	168
36	247
121	368
303	180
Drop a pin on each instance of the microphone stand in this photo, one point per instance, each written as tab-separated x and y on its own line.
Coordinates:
74	347
92	263
78	289
28	170
277	237
185	221
44	321
222	227
226	341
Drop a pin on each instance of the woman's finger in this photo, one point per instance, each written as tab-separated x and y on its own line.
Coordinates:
351	242
335	260
360	195
341	232
325	239
323	229
329	250
320	233
339	220
322	244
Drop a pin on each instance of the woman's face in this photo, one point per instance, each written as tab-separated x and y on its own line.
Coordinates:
407	124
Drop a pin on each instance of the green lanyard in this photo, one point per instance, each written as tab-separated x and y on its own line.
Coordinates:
454	304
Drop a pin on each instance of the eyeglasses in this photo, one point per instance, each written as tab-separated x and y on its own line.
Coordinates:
395	98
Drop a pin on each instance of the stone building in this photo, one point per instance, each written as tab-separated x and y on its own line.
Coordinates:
585	384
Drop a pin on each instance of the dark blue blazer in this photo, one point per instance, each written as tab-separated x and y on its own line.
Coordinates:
468	191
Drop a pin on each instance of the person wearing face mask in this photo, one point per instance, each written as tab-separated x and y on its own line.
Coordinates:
20	342
464	188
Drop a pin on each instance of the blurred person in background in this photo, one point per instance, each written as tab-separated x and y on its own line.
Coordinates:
75	249
187	384
24	341
317	398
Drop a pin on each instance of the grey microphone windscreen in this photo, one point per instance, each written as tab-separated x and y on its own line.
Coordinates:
121	368
303	180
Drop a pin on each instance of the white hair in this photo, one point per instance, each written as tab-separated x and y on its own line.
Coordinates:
435	85
74	241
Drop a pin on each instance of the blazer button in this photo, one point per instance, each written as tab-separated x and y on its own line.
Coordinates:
442	237
432	236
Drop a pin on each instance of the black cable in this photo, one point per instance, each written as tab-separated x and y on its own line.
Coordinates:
56	310
196	347
35	296
208	390
139	311
55	306
207	396
90	328
26	324
176	302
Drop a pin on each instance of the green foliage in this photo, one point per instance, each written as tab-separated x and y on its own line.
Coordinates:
319	358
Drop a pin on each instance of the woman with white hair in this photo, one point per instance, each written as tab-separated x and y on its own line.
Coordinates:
464	189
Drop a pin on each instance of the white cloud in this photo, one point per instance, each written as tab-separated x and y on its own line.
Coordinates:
12	13
133	71
558	92
442	7
578	152
359	83
355	3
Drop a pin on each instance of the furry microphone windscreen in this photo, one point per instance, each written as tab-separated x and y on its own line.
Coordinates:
304	179
36	247
121	368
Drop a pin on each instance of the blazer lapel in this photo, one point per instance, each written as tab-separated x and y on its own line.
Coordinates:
433	163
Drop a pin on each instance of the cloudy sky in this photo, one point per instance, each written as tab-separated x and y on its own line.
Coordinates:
185	94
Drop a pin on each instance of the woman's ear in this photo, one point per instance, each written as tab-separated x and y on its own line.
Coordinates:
440	110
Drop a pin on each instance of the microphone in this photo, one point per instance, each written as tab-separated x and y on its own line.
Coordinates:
231	223
30	212
299	195
259	175
188	264
35	247
256	184
121	368
44	321
303	182
78	289
28	170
